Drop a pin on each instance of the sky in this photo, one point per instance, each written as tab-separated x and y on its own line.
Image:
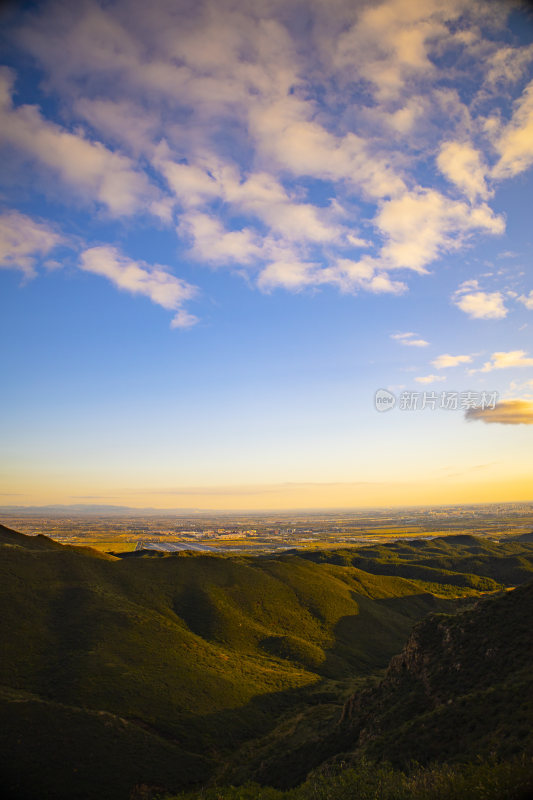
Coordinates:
226	225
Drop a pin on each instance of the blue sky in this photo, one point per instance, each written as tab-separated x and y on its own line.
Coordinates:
224	227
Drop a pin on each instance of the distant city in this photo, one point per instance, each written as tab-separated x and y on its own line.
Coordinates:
121	529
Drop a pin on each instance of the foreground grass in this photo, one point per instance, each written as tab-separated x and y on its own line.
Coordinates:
483	780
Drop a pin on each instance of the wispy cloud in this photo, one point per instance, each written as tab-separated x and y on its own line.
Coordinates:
446	360
409	339
508	64
524	389
527	300
23	240
515	141
137	277
506	360
183	319
430	379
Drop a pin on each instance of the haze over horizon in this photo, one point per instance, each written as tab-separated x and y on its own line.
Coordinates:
225	226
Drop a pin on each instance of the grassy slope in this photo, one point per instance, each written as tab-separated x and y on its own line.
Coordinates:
305	738
49	749
461	692
202	650
460	560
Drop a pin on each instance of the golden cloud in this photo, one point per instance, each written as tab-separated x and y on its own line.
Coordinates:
508	412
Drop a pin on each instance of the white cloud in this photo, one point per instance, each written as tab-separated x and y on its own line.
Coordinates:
390	43
279	259
263	196
252	126
409	339
23	240
508	64
430	379
365	274
463	166
357	241
292	275
421	224
515	143
216	245
295	221
381	282
444	361
88	167
527	300
183	319
404	119
192	184
137	277
349	276
480	305
122	121
471	285
285	133
506	360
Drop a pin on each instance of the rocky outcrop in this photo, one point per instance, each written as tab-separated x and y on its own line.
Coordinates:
459	677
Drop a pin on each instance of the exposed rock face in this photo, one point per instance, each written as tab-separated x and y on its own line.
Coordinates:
462	684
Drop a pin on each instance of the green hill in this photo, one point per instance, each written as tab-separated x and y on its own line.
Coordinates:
458	560
39	542
132	671
452	718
